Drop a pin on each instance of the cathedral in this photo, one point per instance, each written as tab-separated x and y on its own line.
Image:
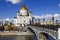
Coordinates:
23	18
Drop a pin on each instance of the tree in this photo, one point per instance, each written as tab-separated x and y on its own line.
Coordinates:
15	28
37	24
1	28
8	28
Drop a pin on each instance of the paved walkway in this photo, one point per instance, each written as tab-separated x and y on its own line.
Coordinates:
16	33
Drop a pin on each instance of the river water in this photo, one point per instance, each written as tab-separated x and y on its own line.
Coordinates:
21	37
15	37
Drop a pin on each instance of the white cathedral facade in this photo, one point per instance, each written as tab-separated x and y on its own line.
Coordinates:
23	18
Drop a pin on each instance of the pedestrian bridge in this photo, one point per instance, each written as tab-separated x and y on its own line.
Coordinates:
38	30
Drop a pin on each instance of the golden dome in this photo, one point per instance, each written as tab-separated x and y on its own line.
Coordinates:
23	7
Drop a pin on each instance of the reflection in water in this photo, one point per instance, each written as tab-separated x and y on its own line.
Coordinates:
21	37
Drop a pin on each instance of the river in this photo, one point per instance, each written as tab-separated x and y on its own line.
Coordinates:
15	37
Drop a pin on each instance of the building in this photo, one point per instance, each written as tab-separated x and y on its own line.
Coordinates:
23	18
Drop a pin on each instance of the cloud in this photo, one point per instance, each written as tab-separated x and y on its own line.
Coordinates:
59	4
7	19
35	16
48	16
43	16
14	1
56	15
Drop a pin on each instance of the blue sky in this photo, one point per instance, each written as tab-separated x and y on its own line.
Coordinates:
9	8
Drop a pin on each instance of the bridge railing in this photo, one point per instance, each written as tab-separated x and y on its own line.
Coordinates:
52	27
53	32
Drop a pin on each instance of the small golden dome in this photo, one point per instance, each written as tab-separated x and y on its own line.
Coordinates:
23	7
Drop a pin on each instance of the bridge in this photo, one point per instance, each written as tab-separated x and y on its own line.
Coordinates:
38	30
